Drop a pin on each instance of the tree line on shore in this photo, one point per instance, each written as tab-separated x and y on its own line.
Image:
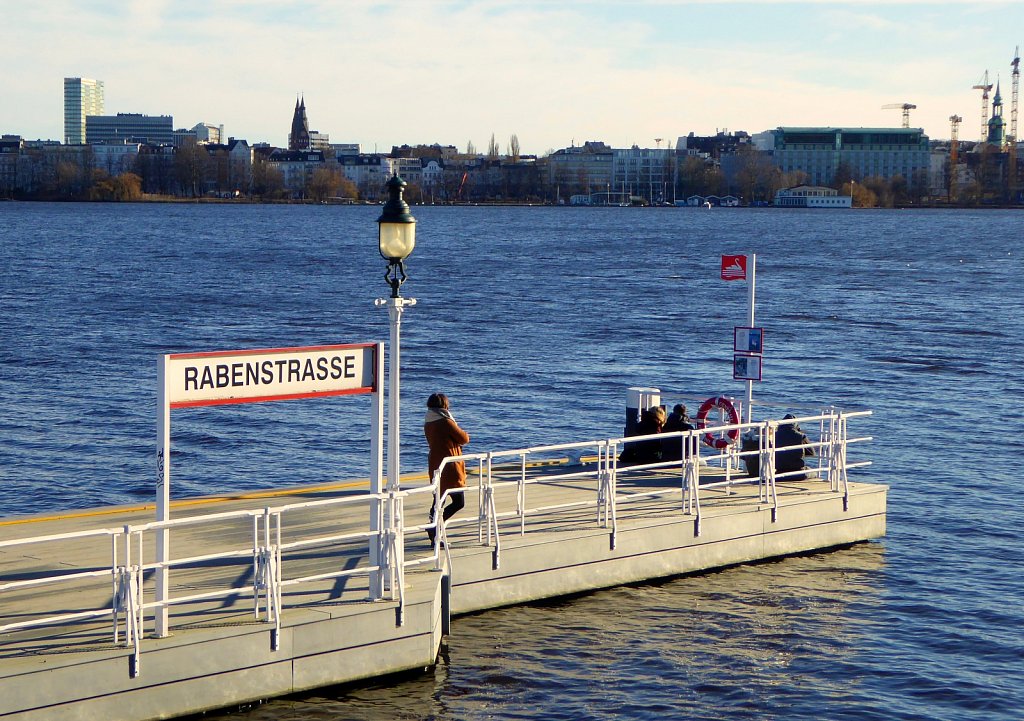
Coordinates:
193	171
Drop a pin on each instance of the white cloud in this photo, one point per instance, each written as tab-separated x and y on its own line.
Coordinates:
551	72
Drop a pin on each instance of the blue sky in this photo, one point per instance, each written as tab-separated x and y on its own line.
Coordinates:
552	73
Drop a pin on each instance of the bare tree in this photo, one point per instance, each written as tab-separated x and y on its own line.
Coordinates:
513	148
323	184
492	148
267	181
190	163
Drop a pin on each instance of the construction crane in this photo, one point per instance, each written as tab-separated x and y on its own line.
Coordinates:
954	158
1013	101
1012	140
905	107
985	87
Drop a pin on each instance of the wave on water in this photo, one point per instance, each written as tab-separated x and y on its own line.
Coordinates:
535	321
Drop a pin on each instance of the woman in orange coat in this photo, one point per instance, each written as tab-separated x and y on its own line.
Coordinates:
444	438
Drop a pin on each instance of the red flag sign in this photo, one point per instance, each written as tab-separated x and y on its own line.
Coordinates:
734	267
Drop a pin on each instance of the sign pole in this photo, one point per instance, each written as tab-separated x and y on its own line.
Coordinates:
376	466
189	380
163	495
751	292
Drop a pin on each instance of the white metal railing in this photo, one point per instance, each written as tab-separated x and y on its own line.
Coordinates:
129	604
592	473
830	450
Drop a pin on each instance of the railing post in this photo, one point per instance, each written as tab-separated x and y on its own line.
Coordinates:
691	501
838	462
480	507
398	557
521	495
768	467
115	577
496	556
390	561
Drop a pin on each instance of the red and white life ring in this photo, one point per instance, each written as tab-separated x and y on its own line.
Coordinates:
731	416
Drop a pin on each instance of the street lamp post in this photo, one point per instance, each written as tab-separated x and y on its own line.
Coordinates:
396	238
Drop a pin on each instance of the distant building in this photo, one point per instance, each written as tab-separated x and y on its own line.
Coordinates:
408	169
583	170
345	148
444	152
319	141
129	128
301	137
82	97
811	196
203	133
230	167
368	172
712	146
612	176
115	158
996	125
297	168
861	152
644	172
10	151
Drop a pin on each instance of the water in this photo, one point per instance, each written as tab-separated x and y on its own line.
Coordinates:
535	321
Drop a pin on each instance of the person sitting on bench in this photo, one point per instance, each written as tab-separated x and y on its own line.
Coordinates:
794	447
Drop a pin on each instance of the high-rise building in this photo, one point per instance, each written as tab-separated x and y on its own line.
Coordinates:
130	128
82	97
859	152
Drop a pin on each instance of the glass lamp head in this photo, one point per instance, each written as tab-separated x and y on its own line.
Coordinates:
397	228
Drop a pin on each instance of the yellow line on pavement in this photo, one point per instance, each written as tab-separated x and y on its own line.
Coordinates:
209	500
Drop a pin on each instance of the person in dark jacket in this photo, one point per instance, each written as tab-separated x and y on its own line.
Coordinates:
652	420
672	448
444	438
791	459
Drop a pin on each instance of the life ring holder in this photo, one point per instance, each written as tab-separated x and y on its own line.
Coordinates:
725	406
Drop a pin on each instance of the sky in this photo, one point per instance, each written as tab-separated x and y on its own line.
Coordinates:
553	74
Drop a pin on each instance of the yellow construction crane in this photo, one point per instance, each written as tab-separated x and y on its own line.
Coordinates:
905	107
984	86
954	158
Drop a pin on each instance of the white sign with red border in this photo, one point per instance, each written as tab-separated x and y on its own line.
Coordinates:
186	380
251	376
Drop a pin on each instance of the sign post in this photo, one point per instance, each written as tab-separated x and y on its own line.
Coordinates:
189	380
742	267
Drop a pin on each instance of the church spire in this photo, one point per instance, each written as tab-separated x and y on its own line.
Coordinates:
298	139
996	124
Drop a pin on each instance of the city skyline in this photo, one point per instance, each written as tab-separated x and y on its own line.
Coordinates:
552	73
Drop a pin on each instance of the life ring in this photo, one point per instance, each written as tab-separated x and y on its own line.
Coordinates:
725	406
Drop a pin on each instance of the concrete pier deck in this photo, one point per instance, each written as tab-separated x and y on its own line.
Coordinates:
220	655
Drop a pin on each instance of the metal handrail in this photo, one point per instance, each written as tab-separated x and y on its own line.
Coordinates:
267	545
690	485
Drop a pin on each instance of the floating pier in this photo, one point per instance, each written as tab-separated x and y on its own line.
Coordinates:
278	593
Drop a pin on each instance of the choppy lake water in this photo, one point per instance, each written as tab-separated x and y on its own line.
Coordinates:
535	321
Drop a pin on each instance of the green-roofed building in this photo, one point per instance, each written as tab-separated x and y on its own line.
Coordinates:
865	152
996	124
